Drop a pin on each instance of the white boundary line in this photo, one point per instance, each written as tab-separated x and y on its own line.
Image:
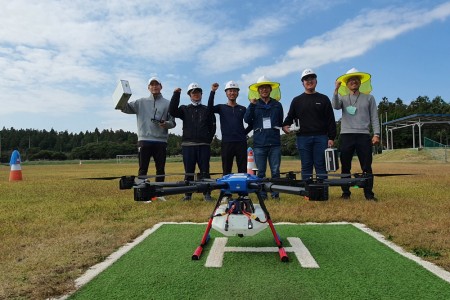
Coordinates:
98	268
436	270
219	247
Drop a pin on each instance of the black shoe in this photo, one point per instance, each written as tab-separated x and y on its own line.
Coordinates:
345	197
186	198
371	198
208	197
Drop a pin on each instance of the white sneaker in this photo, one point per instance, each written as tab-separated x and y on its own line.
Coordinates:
161	199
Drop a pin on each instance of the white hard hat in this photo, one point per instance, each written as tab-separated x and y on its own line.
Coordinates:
154	78
231	85
193	86
308	72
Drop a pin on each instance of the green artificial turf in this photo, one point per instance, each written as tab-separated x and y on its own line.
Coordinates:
352	265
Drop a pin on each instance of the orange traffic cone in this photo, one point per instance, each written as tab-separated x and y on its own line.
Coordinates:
16	170
251	167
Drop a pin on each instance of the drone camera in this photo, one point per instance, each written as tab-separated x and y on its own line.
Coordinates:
126	182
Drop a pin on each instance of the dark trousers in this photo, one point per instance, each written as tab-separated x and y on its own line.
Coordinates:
158	152
362	145
230	150
196	155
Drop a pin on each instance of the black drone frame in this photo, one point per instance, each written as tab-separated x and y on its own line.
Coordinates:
241	184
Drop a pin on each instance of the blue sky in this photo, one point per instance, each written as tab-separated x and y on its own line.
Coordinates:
60	61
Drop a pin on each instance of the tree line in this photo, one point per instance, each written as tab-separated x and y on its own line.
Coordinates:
36	144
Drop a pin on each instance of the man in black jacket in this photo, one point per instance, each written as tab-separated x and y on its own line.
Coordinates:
198	131
317	125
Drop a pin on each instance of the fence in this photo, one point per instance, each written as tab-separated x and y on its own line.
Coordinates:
438	150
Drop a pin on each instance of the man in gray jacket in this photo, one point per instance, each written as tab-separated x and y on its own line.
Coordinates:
153	124
359	116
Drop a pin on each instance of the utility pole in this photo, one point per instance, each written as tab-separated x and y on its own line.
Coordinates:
381	131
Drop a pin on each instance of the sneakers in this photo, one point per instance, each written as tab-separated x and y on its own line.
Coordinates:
371	198
186	198
276	198
345	197
225	199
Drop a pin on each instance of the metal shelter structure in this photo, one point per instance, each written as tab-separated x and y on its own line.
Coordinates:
413	120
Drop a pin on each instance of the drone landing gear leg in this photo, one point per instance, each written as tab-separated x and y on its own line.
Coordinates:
281	250
205	238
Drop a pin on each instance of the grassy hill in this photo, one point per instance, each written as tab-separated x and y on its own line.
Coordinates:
414	155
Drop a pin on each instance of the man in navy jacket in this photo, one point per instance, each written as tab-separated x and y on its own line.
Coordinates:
265	115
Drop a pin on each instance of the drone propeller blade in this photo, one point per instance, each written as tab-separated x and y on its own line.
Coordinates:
399	174
357	175
102	178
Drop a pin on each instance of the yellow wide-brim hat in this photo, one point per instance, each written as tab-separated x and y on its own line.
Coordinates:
366	86
263	80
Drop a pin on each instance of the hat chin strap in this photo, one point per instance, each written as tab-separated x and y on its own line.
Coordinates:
195	103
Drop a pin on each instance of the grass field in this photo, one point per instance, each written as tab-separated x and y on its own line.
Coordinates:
54	225
348	264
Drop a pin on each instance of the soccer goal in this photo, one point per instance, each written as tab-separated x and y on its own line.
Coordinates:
122	157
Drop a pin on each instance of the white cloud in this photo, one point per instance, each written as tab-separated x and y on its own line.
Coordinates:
353	38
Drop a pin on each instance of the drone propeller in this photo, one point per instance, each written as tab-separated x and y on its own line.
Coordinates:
197	176
356	175
118	177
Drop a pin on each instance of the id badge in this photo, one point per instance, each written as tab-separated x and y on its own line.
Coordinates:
266	123
351	110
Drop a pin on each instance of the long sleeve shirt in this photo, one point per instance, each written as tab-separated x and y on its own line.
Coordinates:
366	114
315	115
147	109
231	121
266	120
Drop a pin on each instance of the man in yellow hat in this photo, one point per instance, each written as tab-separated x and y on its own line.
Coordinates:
359	116
265	115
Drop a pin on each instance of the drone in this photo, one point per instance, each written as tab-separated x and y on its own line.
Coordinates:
238	215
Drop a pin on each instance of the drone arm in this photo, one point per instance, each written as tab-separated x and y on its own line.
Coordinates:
359	182
157	191
294	190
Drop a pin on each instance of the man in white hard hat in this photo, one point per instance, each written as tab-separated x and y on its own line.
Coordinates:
317	125
153	123
234	135
265	115
199	129
360	128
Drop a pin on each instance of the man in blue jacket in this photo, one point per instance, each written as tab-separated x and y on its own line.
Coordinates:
234	135
265	115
